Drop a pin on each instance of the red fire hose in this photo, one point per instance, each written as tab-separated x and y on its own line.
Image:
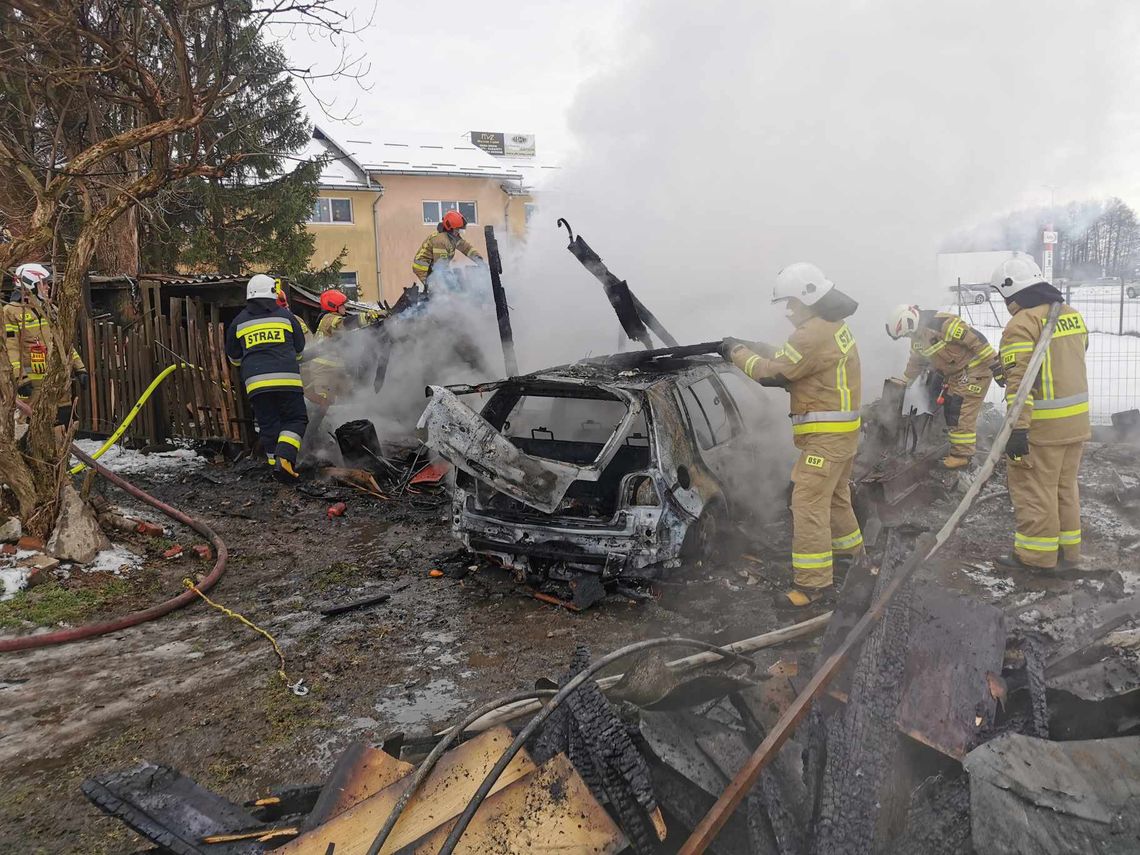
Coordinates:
66	636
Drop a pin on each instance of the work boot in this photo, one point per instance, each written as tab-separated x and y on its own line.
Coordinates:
800	597
951	461
1013	562
1071	563
284	472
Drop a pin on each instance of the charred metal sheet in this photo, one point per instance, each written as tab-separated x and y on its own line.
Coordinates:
1033	795
470	442
954	644
171	810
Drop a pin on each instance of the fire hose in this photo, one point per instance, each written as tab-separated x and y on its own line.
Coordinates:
66	636
135	410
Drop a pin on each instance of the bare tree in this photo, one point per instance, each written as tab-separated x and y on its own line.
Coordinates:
104	104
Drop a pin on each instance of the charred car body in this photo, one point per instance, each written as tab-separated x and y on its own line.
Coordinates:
604	469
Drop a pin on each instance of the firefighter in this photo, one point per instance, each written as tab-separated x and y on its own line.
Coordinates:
819	366
28	319
437	250
326	378
1045	447
965	359
266	340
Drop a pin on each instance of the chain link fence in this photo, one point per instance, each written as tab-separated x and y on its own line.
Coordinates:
1112	313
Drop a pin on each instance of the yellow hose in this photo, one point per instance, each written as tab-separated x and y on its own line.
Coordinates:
135	410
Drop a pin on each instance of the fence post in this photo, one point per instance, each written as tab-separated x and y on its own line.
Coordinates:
1121	332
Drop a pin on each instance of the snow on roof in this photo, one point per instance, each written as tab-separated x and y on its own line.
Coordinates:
417	153
340	171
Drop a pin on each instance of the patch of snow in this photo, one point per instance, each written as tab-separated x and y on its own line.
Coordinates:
998	586
1131	580
12	581
14	578
1031	597
118	561
125	461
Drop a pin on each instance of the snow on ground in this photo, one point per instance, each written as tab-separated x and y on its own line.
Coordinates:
1114	345
125	461
13	578
118	561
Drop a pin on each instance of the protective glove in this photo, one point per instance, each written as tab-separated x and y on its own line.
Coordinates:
1017	446
998	370
82	379
24	390
727	346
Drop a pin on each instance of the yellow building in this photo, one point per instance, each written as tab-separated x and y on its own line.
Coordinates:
379	199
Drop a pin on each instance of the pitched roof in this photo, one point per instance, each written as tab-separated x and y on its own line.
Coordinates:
407	153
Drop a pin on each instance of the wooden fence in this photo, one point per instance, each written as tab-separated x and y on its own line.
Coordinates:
204	402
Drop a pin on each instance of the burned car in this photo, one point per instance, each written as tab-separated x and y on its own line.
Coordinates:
600	472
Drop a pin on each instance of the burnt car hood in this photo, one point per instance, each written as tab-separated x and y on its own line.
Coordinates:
472	444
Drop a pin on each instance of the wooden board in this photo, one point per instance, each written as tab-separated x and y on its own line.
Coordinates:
551	810
954	641
360	771
440	798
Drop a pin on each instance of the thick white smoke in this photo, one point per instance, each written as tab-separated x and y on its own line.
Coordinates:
729	139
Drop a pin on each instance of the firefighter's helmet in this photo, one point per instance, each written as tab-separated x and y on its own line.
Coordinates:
803	281
1016	274
903	321
31	276
453	221
332	300
261	287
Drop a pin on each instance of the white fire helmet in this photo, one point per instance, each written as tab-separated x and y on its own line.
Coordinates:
1016	274
803	281
261	287
902	321
31	276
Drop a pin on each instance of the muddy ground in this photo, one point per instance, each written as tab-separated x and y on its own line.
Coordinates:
199	691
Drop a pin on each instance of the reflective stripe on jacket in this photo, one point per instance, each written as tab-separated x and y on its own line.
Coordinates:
950	345
1057	410
28	340
440	247
819	363
266	341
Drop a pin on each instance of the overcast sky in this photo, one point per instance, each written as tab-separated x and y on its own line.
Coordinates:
489	66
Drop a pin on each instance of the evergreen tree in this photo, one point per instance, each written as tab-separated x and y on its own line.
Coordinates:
252	219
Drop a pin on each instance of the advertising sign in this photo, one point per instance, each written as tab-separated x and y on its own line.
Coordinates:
490	142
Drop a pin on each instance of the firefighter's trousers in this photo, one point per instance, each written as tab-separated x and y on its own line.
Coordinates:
824	523
1046	503
963	425
281	421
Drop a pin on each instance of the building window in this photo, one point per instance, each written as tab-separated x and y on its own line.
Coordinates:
434	211
348	284
529	210
331	211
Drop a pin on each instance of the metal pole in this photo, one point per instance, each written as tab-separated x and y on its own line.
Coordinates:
1121	330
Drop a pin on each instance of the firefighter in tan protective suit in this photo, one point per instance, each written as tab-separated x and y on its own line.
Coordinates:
819	366
965	359
438	249
28	320
1045	447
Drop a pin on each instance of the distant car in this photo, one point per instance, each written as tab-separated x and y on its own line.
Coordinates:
598	468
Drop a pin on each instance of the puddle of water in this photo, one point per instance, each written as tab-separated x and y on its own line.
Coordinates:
430	703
